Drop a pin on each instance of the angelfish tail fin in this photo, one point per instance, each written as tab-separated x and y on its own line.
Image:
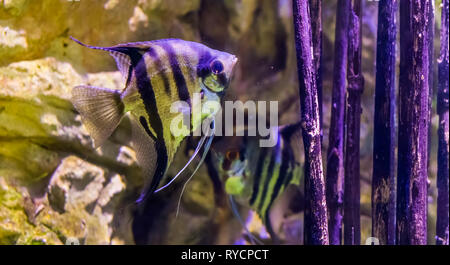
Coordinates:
101	110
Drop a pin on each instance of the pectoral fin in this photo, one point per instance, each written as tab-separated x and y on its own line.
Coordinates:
101	110
235	211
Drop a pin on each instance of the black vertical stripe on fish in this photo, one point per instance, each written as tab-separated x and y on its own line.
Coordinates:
290	174
130	72
204	57
183	92
289	177
259	168
284	168
123	64
144	124
288	155
148	97
222	79
268	224
189	66
268	178
160	68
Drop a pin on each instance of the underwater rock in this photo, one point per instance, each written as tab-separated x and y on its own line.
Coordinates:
27	79
14	7
86	192
83	213
36	117
48	193
15	226
34	29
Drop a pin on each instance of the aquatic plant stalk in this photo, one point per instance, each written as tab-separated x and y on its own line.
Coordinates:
442	222
383	178
413	123
430	17
335	153
315	7
355	79
316	225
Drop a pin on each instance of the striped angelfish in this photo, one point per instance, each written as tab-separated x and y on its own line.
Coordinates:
156	74
256	176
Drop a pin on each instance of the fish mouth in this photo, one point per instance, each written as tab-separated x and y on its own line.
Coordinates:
237	169
233	63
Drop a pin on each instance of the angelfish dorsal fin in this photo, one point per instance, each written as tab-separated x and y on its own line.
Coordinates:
123	62
291	135
101	110
120	54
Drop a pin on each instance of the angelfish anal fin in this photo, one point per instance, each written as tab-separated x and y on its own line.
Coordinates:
145	147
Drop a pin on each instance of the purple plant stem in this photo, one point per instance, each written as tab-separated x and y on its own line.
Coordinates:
413	123
335	154
316	225
355	79
383	178
316	25
442	222
430	14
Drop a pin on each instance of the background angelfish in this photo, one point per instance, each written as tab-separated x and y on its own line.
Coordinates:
256	176
156	74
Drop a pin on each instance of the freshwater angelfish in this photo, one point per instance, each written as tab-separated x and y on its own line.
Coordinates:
256	176
156	74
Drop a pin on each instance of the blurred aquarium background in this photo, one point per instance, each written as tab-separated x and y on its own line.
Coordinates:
54	186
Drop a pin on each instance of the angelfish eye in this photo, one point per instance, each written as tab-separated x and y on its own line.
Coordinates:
216	67
232	155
